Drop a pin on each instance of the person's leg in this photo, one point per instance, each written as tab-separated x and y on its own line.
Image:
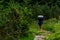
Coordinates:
40	26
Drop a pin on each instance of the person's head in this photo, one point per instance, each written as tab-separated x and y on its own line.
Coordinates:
40	16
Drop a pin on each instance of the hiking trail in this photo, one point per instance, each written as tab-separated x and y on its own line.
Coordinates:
43	35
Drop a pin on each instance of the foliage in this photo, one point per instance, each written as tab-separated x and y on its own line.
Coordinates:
16	16
49	24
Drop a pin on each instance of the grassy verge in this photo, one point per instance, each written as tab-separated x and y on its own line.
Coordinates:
51	25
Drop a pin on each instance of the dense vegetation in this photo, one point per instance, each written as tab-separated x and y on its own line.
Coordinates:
17	17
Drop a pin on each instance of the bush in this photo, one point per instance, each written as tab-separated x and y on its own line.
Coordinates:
54	36
49	24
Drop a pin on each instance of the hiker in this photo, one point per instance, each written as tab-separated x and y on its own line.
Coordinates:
40	20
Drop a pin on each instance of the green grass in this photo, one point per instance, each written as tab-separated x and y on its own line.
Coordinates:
56	34
30	37
51	25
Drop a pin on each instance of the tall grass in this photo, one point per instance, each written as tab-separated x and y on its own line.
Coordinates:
51	25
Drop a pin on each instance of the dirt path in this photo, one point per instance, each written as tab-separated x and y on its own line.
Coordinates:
39	37
42	36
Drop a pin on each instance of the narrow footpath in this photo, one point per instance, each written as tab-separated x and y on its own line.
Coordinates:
42	36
